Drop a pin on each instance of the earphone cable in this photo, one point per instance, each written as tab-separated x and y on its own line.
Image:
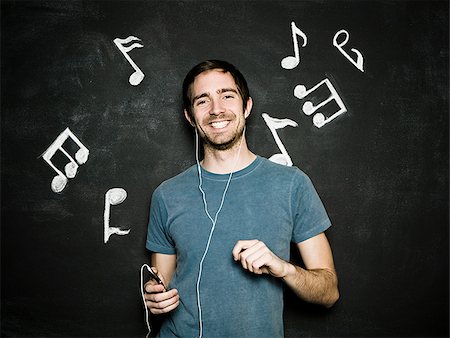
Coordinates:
213	221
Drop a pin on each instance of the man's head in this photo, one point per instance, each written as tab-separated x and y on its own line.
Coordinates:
209	65
217	102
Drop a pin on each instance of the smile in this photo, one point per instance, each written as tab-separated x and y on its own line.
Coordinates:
219	124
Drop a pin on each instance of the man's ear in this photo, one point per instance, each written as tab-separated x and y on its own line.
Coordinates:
248	107
188	118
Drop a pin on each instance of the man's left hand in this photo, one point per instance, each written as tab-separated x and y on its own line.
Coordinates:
256	257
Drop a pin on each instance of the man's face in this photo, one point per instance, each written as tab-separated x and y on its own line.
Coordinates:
217	109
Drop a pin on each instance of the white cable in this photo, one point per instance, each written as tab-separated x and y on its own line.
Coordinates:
143	298
213	221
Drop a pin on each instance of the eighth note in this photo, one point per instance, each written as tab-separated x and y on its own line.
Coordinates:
359	58
138	75
309	108
290	62
273	125
59	181
113	196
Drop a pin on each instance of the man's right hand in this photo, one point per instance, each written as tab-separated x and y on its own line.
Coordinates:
157	299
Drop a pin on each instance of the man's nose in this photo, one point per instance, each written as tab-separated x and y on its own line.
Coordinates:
216	107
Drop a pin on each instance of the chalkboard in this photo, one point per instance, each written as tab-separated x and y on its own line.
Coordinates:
378	157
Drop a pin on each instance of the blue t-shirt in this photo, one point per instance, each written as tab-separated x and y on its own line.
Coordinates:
266	201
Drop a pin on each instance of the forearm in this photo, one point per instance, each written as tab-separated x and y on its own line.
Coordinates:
317	286
159	299
165	264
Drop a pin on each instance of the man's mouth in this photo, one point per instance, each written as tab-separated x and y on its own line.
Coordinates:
219	124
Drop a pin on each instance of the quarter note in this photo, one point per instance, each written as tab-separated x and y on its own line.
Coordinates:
138	75
274	124
114	196
309	108
81	156
290	62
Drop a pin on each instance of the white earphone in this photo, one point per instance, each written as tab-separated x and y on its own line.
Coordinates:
213	221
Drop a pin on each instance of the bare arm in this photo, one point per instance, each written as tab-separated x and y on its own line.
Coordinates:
165	264
158	299
317	283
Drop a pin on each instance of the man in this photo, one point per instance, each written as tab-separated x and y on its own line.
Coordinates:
220	232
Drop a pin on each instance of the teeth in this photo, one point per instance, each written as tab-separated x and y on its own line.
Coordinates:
219	125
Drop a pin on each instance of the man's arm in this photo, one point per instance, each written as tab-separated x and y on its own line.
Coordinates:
317	283
159	300
166	265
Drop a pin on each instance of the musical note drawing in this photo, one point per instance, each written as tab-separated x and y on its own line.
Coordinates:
113	196
81	156
138	75
290	62
308	108
359	58
274	124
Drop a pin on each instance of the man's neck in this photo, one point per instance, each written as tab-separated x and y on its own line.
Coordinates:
227	161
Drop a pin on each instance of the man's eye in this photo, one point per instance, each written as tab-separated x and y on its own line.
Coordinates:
200	102
227	97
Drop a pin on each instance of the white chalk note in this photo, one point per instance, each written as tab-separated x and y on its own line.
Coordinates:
309	108
274	124
124	47
290	62
113	196
359	58
81	156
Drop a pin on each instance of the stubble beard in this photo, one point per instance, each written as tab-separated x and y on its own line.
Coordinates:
226	145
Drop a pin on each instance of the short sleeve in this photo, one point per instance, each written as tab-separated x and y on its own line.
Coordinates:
158	237
310	216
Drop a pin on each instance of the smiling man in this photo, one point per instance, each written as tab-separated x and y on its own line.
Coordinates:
219	110
220	232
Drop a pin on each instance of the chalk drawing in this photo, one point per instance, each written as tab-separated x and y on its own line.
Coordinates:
59	181
359	58
290	62
308	108
138	75
274	124
113	196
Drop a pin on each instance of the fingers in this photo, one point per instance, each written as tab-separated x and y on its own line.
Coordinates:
253	256
159	279
242	245
157	299
161	302
153	287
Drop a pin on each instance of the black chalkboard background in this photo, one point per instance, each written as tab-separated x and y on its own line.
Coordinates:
381	168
